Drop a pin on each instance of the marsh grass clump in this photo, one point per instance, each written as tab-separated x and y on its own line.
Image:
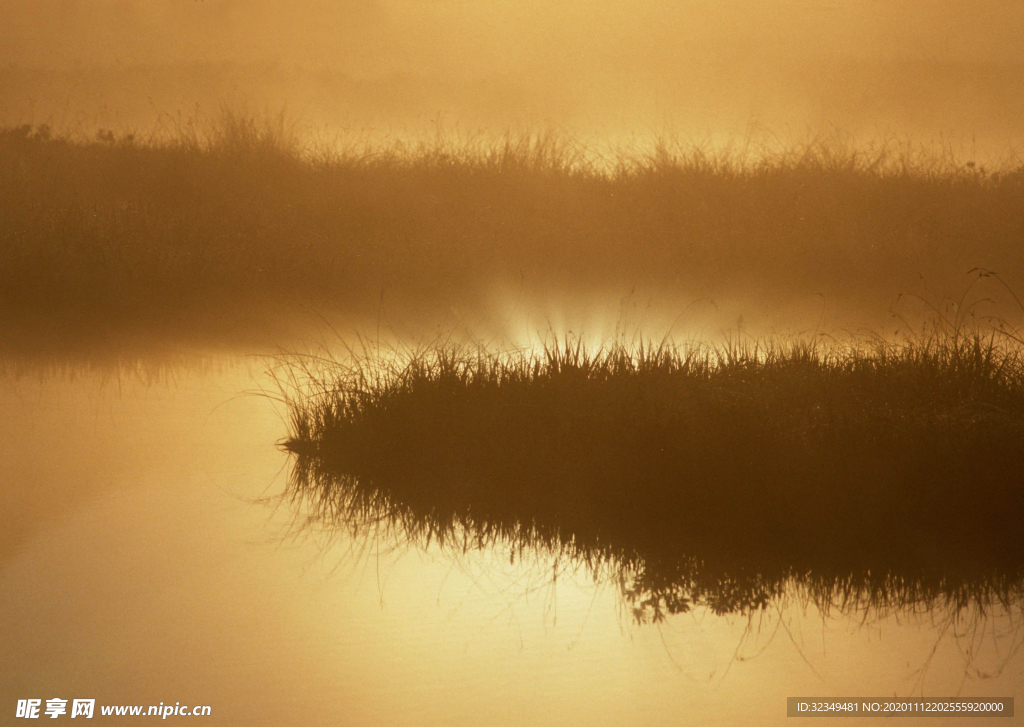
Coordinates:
868	472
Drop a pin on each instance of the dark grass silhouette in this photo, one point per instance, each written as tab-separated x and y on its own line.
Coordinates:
219	229
884	475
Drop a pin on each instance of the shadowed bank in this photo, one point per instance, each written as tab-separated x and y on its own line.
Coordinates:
870	476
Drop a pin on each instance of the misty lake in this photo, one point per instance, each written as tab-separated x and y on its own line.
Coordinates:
149	552
462	362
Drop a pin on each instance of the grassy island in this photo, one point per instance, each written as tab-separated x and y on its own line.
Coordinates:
872	473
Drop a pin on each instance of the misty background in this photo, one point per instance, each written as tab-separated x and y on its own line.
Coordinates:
940	72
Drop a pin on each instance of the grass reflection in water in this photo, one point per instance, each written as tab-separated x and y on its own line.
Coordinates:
877	475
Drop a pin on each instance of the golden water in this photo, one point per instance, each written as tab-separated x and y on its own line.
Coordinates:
145	557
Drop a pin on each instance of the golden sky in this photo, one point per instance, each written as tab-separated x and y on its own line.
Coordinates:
949	68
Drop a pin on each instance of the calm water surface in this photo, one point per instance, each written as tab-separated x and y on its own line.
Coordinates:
146	556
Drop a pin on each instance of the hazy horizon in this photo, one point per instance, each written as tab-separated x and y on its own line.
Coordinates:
937	73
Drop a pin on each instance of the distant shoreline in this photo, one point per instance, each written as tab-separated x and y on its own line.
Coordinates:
219	225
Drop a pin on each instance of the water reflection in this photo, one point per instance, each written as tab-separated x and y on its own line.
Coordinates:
143	572
662	575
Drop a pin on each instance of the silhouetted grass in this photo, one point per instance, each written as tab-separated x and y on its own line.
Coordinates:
886	475
221	228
